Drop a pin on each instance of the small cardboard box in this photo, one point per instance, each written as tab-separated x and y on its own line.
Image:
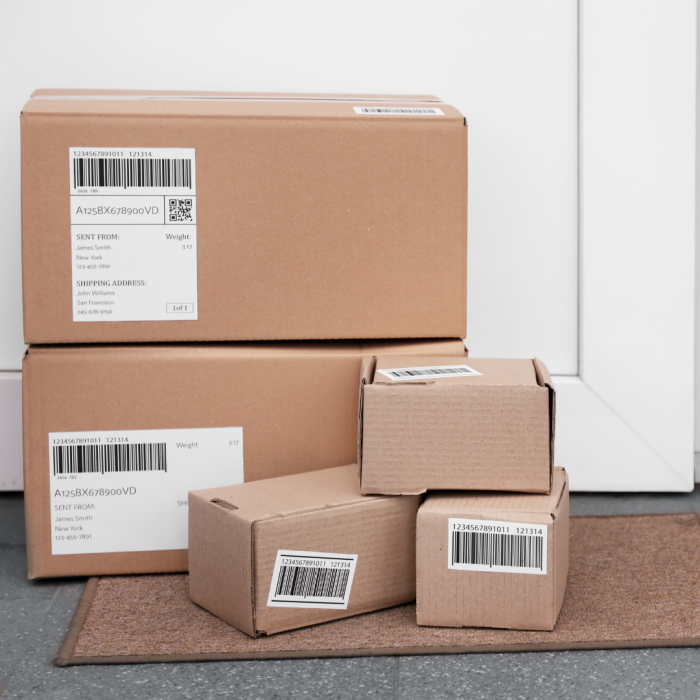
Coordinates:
283	553
170	216
115	436
488	559
436	423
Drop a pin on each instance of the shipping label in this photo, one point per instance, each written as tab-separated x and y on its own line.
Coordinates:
498	546
126	490
401	111
311	580
405	374
133	234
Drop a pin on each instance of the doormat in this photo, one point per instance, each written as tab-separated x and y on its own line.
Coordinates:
634	581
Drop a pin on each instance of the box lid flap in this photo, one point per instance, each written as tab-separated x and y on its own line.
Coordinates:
491	372
492	503
290	495
246	105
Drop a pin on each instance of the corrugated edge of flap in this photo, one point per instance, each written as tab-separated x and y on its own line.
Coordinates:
219	541
253	544
562	492
97	94
366	375
544	379
33	534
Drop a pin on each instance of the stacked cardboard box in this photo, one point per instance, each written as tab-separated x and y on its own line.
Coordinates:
149	219
208	280
282	553
487	547
169	217
203	415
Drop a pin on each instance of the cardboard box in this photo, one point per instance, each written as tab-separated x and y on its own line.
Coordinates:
283	553
436	423
487	559
221	216
205	415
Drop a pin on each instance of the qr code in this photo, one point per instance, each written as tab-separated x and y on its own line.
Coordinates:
180	209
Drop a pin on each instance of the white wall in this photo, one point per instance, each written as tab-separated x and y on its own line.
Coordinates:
511	66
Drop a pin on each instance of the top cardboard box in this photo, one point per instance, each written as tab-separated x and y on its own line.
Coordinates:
431	423
218	216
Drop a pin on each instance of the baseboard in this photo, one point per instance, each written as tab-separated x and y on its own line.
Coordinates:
11	431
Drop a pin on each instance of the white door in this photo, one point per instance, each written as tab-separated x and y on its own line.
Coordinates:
581	247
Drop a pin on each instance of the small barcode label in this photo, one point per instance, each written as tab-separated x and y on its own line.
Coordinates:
132	172
311	580
486	545
108	459
433	111
406	373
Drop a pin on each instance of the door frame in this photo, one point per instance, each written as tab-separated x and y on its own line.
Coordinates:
626	422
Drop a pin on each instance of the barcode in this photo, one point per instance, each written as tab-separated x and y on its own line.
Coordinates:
312	582
418	372
430	372
106	459
132	172
399	110
497	550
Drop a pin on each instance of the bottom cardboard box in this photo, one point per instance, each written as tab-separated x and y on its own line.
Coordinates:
493	559
116	435
284	553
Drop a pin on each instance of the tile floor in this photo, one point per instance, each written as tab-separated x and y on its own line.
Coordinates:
34	618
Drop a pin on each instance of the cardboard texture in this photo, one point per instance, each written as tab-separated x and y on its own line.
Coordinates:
236	533
457	598
296	404
308	216
491	431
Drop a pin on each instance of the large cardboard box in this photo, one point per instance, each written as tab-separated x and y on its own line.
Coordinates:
487	559
115	436
220	216
437	423
284	553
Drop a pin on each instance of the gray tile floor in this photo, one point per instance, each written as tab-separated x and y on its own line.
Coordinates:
34	618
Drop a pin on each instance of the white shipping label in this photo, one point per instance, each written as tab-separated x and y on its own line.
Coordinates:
311	580
494	545
404	374
126	490
401	111
133	234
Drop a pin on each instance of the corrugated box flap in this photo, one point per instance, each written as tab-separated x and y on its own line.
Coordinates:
505	504
366	376
289	495
490	371
62	93
245	105
221	561
543	379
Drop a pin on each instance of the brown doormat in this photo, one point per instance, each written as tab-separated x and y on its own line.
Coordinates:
634	581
